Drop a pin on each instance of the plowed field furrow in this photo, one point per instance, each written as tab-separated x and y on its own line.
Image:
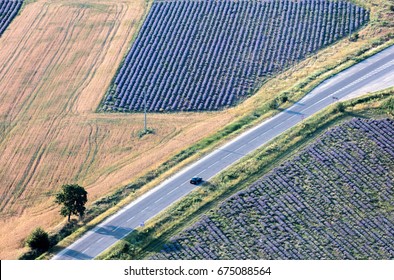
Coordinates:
12	66
38	17
113	20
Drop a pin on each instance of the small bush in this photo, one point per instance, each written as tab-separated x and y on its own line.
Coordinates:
339	107
388	106
38	240
273	104
354	37
142	133
283	98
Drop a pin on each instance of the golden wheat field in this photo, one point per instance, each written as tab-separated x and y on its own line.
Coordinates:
57	60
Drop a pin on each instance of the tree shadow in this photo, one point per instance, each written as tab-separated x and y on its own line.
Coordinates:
295	102
117	232
70	254
291	112
356	115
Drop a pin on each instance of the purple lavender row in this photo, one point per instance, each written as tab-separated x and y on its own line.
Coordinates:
329	202
8	11
208	55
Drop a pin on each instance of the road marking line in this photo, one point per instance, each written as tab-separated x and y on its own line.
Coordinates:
258	136
115	229
240	148
254	139
288	119
226	156
212	164
159	199
173	190
85	250
144	209
366	76
132	217
99	239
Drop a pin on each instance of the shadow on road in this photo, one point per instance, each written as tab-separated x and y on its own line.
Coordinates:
72	254
295	102
289	111
117	232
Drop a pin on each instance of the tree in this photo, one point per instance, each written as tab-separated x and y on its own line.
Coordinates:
38	240
73	199
339	107
273	104
283	98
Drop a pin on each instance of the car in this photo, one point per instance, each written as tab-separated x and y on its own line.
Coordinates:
196	180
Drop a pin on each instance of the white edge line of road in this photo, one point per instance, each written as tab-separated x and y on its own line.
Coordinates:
365	63
383	67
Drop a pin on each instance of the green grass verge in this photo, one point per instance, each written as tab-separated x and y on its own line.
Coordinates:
149	239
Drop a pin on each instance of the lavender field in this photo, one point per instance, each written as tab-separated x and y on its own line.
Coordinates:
8	10
207	55
333	200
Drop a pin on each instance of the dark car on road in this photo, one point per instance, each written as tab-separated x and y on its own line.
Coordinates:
196	180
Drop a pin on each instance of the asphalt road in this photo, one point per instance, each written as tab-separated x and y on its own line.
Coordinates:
373	74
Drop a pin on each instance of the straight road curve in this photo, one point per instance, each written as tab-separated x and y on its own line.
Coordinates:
375	73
